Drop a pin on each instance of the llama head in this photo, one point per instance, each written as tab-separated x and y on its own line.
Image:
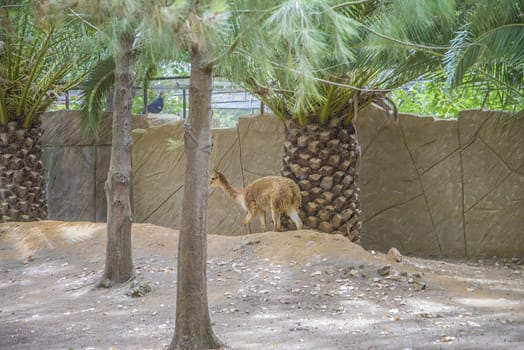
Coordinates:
215	178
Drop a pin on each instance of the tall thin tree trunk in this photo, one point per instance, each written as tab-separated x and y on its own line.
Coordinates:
119	261
193	326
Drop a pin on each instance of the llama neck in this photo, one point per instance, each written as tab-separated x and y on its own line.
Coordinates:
230	191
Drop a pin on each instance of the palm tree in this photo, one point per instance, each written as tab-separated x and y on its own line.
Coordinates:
37	63
322	62
487	52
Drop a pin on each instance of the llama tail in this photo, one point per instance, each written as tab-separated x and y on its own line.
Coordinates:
293	214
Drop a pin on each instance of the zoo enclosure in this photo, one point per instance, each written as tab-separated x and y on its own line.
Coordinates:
446	188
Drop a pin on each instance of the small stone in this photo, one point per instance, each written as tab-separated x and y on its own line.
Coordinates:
447	339
105	283
394	255
138	289
384	271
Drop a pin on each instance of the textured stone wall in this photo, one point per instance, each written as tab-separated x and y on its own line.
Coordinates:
243	154
428	187
77	166
443	188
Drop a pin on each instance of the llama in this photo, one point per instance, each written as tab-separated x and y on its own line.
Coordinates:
277	193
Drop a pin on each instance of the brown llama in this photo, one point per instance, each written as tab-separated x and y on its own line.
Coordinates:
277	193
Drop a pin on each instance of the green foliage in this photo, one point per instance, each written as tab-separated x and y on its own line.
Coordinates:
139	289
487	52
301	41
38	62
94	90
153	52
431	98
227	118
326	59
139	18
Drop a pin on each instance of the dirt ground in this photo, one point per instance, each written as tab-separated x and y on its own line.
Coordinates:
287	290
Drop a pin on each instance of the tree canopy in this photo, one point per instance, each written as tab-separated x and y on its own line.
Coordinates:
486	54
38	61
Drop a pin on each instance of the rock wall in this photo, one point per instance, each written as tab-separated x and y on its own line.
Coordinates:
443	188
77	166
243	154
429	187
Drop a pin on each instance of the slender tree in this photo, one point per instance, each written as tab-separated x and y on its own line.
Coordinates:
120	35
119	261
193	325
198	35
192	29
117	64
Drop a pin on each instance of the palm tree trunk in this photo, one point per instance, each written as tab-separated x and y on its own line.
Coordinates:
193	326
324	160
22	174
119	261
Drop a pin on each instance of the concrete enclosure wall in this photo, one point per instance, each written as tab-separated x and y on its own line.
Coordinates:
428	187
443	187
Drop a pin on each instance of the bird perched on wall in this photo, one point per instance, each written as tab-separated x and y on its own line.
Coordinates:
156	106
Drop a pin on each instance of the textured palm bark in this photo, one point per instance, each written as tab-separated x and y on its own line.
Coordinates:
193	325
119	261
22	174
324	162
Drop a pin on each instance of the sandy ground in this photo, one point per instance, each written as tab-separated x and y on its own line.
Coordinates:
291	290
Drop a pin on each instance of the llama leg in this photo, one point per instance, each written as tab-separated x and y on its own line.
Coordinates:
275	215
247	220
293	214
262	217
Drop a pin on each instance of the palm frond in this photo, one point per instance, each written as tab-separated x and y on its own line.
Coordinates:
487	52
37	62
94	90
4	118
323	58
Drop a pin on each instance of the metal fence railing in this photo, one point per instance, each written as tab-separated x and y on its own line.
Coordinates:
228	101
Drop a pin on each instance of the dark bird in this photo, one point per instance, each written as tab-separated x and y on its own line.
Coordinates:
156	106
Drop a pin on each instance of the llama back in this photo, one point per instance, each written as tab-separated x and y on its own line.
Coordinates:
260	191
265	188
